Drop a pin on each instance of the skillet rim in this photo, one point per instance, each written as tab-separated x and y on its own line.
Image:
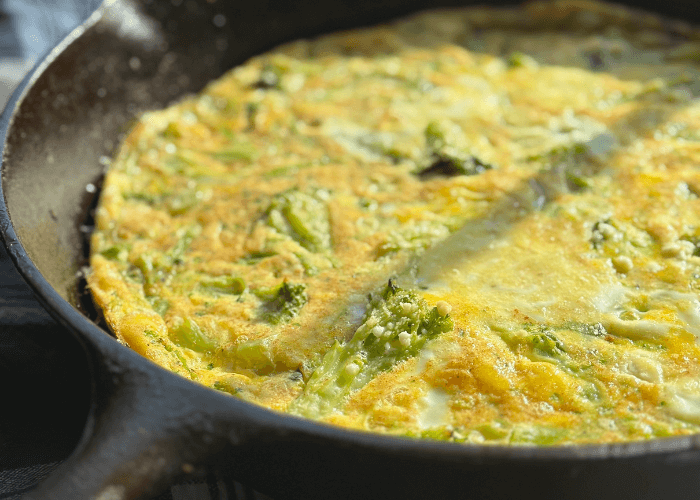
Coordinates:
87	332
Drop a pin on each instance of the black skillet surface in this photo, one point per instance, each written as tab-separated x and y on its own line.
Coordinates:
147	426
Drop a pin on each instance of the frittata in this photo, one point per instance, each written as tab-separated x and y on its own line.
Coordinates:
478	225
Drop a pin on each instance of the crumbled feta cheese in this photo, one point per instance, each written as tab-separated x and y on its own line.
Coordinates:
680	249
405	339
608	231
622	264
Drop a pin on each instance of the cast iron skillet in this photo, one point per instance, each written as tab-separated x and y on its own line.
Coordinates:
148	426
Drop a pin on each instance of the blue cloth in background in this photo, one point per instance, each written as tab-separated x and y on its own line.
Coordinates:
29	29
32	27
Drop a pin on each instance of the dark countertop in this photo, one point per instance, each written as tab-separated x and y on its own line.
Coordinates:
46	393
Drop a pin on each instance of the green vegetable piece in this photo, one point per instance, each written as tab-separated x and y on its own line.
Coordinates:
594	330
437	434
546	344
446	159
567	167
495	431
159	305
228	386
172	131
519	60
156	266
540	343
181	202
415	237
188	334
178	250
282	303
255	354
270	77
180	164
435	136
251	111
255	257
148	264
562	153
169	348
395	328
117	252
224	284
537	434
147	198
450	165
302	217
241	151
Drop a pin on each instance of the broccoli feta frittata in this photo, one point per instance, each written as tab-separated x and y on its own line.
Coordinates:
478	225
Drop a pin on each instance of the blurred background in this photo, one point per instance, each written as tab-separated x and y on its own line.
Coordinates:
29	28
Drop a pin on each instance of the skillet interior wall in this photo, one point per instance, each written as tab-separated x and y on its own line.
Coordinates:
144	54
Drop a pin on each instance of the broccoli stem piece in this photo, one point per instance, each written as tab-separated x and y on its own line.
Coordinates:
157	266
282	303
188	334
446	159
224	284
241	151
303	218
396	326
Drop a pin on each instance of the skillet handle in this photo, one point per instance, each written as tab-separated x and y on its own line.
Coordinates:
146	428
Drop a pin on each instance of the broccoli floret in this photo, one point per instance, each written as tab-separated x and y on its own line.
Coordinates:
594	330
303	218
569	169
621	242
546	344
445	158
395	328
538	342
282	303
566	169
